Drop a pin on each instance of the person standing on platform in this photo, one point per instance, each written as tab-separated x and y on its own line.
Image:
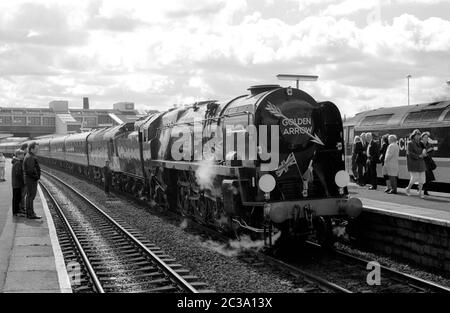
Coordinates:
430	165
2	167
17	181
107	176
360	159
354	155
363	159
373	154
391	163
384	145
23	202
415	162
32	174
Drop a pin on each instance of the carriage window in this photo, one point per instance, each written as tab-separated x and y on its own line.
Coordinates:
376	119
423	116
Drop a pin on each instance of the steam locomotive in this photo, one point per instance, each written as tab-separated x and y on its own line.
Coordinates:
267	161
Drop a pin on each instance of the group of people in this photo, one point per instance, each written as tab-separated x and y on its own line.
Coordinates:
25	174
367	154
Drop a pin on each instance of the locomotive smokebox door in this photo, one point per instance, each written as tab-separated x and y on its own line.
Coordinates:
230	191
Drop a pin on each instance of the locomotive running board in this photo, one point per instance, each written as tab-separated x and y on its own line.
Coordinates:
185	166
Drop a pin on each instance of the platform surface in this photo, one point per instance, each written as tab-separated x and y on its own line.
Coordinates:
30	256
434	209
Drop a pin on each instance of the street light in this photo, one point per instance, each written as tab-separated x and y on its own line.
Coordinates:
297	78
408	77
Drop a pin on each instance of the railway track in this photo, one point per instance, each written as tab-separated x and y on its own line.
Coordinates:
111	257
344	272
352	272
415	283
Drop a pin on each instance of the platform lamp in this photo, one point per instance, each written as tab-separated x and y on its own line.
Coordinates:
408	77
297	78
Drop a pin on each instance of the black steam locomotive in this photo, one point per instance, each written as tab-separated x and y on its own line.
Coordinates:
269	160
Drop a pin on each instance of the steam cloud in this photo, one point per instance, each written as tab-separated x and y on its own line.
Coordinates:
234	247
205	174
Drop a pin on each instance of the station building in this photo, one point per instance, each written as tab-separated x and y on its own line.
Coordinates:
58	118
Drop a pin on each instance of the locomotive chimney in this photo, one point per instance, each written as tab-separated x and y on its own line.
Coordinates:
85	103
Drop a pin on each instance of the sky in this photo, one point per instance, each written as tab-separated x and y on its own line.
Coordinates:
160	53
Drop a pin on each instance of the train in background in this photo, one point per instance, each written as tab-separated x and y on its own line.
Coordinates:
302	196
10	145
401	121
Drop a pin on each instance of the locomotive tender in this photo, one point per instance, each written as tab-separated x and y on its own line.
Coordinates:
269	160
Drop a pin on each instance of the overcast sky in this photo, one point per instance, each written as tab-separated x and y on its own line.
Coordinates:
157	53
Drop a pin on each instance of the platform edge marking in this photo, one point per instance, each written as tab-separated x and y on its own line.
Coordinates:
408	216
63	276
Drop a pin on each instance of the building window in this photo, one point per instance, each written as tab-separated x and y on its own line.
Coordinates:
5	120
19	120
104	119
34	120
90	122
48	120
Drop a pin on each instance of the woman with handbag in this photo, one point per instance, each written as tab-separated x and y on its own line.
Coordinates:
429	162
415	154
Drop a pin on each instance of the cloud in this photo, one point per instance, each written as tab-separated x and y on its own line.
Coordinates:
158	53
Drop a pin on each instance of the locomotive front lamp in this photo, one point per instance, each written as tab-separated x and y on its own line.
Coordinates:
297	78
342	179
267	183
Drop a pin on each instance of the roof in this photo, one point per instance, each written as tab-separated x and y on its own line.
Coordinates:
395	115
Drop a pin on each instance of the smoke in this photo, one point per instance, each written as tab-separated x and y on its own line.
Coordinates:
234	247
205	174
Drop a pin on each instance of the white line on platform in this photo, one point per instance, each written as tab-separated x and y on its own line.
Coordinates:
63	277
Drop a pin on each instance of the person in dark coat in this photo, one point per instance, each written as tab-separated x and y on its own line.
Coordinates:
107	175
383	149
415	162
360	159
2	167
373	154
354	155
429	175
17	182
32	174
23	202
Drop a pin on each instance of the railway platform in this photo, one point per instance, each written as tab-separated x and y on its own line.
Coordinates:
31	260
434	209
405	226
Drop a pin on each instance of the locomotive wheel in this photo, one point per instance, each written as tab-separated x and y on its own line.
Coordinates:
324	231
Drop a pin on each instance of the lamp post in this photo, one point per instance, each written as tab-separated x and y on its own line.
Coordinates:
297	78
408	77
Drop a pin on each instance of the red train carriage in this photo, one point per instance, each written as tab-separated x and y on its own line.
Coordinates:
57	151
76	153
